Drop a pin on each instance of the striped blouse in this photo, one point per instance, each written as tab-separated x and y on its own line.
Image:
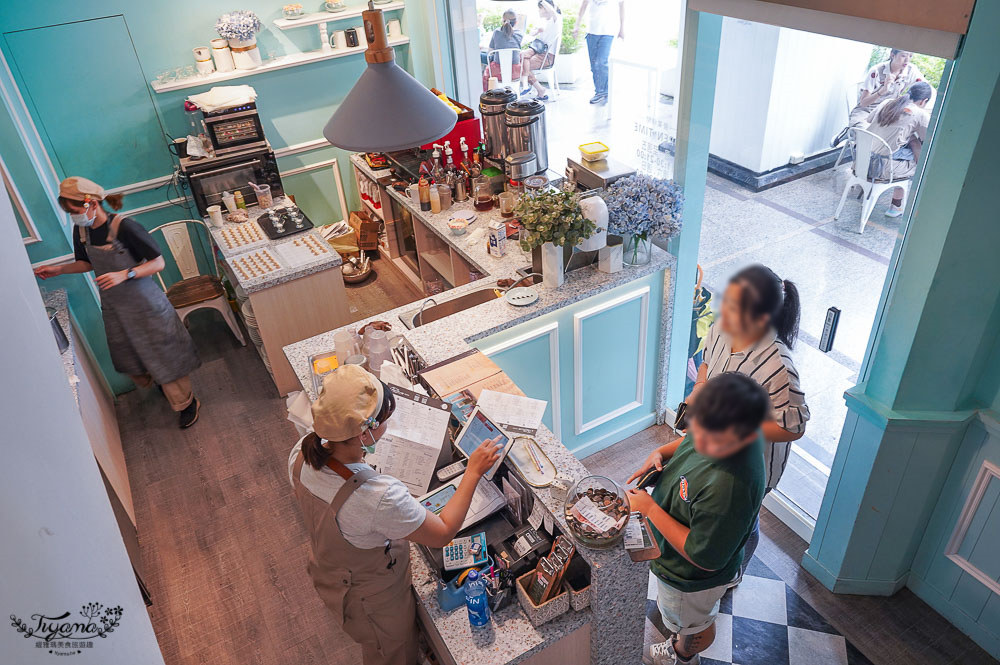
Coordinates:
769	362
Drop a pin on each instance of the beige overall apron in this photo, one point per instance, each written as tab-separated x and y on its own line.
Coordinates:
368	590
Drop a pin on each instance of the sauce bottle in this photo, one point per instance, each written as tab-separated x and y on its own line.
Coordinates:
240	203
424	189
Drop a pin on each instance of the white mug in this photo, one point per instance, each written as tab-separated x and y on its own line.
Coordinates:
203	59
395	30
339	39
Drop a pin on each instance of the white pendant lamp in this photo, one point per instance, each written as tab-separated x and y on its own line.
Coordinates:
387	109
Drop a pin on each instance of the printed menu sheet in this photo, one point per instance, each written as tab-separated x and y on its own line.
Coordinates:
461	380
414	440
514	413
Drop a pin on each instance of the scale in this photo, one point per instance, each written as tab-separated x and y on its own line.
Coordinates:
285	225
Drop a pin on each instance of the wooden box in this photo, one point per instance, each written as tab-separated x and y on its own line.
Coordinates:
547	611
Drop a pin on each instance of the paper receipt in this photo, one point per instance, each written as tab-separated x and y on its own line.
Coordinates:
587	511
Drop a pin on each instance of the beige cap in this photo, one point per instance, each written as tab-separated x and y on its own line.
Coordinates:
348	403
76	188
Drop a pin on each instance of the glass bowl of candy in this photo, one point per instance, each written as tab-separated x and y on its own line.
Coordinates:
596	510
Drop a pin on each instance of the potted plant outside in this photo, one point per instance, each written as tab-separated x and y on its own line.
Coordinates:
571	62
639	207
553	222
240	28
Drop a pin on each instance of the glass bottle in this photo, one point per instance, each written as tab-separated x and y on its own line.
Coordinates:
425	194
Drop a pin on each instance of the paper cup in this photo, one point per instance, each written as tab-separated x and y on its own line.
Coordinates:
215	215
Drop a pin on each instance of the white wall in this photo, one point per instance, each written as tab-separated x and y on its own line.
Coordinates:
59	543
780	92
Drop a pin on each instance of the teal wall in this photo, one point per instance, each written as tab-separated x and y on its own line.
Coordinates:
592	348
82	69
913	439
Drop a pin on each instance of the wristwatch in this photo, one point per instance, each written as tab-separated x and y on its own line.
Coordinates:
131	273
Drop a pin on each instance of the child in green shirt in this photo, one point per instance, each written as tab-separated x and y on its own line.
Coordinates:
702	510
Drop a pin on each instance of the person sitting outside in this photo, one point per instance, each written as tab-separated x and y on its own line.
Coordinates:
886	80
702	510
504	37
541	53
902	123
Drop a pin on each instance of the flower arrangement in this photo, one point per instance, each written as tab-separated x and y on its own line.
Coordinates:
241	24
554	217
642	205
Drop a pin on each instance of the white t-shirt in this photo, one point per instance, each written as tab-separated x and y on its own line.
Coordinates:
603	17
551	31
382	509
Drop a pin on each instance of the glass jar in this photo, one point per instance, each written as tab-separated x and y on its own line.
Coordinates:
637	251
596	511
482	193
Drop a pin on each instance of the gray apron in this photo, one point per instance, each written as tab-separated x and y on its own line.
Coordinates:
145	335
367	590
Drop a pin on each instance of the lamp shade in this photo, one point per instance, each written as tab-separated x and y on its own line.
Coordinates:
386	110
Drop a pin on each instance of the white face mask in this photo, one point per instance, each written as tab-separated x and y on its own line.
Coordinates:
81	219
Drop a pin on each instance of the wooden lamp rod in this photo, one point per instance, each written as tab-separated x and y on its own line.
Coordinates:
378	45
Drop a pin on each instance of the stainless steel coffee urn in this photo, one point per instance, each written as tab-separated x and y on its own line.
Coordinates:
525	122
492	105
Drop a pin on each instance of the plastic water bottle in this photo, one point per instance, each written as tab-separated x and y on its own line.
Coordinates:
475	600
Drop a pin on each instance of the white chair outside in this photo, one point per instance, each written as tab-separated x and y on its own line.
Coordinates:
195	291
852	95
549	73
864	143
505	58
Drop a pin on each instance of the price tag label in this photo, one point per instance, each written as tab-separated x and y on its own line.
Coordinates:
537	515
547	524
633	533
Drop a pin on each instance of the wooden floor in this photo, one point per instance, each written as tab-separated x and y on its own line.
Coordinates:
224	549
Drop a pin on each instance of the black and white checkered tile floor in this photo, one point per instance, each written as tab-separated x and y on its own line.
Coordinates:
764	622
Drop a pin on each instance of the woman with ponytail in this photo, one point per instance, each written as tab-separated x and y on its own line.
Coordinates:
146	338
361	522
757	326
902	124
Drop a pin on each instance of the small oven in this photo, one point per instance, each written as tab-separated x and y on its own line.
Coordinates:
235	129
209	178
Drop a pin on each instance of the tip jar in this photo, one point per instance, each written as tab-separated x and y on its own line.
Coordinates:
596	510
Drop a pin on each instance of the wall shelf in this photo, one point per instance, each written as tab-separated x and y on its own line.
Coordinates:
281	62
315	18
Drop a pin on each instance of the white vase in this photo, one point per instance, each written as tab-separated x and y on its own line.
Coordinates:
222	55
246	55
596	210
552	265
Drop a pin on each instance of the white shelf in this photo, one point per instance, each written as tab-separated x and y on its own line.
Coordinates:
315	18
282	62
375	211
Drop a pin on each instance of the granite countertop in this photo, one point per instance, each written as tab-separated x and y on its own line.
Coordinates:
612	570
59	301
280	276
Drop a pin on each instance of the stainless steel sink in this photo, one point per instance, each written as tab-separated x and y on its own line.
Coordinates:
416	318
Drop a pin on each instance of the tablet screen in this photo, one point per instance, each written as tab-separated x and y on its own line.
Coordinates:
435	502
479	429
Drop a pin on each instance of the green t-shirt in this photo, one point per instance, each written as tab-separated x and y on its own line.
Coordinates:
718	500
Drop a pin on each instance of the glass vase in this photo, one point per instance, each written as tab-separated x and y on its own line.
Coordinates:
637	250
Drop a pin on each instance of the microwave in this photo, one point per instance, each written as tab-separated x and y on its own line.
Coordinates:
209	178
235	129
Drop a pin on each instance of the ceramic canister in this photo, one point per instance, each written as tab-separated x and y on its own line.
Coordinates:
203	59
394	28
338	39
222	55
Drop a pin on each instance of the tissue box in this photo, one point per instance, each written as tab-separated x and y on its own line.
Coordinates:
609	258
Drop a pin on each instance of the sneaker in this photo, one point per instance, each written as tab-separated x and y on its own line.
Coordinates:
541	98
189	416
599	98
662	653
894	211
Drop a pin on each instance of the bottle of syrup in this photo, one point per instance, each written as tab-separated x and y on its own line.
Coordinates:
424	190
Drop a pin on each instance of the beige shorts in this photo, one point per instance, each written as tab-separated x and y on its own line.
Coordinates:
688	612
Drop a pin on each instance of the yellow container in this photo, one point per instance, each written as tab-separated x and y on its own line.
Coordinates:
594	151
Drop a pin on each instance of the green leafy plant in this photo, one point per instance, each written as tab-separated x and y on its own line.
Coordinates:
490	19
552	217
570	43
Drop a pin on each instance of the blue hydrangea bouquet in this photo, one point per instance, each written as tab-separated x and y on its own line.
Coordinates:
241	24
640	206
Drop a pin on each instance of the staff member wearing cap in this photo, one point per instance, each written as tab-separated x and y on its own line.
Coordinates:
145	336
359	521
